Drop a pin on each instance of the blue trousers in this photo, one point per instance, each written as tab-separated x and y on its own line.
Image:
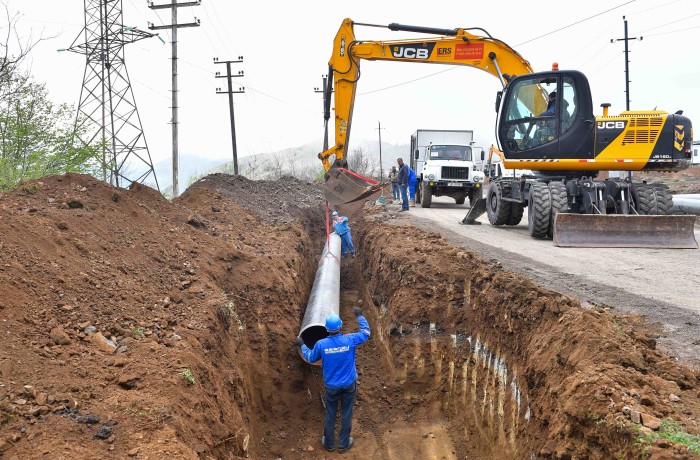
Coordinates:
404	197
346	244
346	397
395	190
412	189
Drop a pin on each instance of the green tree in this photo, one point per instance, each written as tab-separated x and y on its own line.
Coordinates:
36	135
36	138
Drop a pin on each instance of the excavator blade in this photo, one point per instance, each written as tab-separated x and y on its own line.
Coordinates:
344	186
475	212
624	231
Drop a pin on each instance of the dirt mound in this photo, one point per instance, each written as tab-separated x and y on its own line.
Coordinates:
135	327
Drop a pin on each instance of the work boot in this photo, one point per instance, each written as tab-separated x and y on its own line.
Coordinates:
412	203
350	444
323	443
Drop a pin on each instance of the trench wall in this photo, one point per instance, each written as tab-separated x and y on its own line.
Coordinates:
513	365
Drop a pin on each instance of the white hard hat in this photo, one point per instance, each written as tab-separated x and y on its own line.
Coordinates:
335	213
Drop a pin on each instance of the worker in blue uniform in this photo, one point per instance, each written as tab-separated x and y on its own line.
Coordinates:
342	228
337	354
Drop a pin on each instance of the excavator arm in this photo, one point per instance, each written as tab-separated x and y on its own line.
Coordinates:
451	46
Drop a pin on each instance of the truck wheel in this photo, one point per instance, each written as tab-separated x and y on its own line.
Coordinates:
426	195
560	203
497	210
539	209
474	195
419	195
459	199
516	213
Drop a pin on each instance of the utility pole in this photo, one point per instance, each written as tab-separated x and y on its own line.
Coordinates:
173	30
107	113
326	108
381	168
230	93
627	62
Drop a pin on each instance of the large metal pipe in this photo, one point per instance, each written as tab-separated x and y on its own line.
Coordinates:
325	294
689	204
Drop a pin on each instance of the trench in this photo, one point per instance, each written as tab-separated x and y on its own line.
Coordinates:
466	360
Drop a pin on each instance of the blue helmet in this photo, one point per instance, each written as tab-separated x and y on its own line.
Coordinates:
333	323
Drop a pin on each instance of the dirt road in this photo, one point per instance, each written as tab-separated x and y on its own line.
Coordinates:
662	285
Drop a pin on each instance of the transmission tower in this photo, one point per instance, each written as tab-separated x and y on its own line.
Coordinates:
107	113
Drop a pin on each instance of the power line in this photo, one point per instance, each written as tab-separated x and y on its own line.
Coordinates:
673	31
576	23
669	23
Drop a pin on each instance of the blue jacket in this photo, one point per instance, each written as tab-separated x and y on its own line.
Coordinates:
411	176
337	352
341	226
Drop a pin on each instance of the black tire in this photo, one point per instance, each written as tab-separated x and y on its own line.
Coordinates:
497	209
653	200
516	213
539	209
460	199
475	195
426	195
664	200
418	193
560	203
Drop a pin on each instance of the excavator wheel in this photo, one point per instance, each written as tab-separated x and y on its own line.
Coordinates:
539	210
560	203
516	213
497	209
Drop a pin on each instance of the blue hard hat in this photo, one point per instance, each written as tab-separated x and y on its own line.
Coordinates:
333	323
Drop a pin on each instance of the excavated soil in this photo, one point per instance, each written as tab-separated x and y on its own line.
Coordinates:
135	327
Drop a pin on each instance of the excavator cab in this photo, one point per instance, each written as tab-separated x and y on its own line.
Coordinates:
547	116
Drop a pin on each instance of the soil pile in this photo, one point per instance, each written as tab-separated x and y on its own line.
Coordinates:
135	327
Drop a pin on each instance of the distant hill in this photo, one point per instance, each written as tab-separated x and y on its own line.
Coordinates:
301	162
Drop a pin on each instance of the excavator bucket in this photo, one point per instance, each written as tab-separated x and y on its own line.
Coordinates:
624	231
344	186
476	211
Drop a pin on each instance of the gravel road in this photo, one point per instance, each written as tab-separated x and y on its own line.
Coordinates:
661	284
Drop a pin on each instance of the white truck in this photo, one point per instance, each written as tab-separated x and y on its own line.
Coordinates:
445	166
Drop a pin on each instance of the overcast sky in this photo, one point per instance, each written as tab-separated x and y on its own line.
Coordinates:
286	47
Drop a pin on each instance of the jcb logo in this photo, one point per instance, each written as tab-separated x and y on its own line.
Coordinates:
412	51
444	51
611	125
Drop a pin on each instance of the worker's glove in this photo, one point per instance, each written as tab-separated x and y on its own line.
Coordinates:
298	341
358	311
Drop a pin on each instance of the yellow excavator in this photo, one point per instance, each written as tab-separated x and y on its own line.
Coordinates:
545	124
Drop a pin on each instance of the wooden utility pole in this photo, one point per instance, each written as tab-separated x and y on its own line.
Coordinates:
230	93
173	30
627	61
